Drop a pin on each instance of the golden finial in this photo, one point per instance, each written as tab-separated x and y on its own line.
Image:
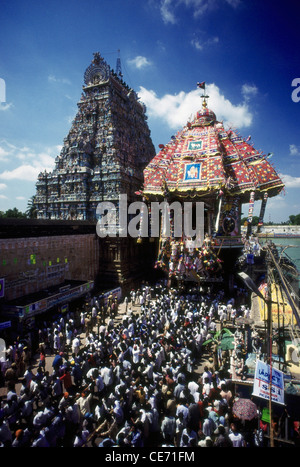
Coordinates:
204	96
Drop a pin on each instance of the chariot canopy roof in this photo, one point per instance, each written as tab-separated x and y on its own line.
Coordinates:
204	158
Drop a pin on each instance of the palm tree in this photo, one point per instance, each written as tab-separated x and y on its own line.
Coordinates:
31	210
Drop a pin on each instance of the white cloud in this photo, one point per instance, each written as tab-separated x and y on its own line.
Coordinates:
249	90
294	150
33	163
198	7
23	172
290	181
53	79
3	186
200	45
11	146
20	198
9	151
5	106
3	197
4	153
166	12
176	110
139	62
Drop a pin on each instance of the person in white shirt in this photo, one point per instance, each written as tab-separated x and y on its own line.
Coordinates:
40	441
84	403
193	387
206	374
28	375
57	388
247	313
149	371
233	315
236	438
39	419
27	409
72	413
75	346
207	386
107	376
131	327
82	319
136	355
99	384
81	438
168	426
56	342
5	432
229	311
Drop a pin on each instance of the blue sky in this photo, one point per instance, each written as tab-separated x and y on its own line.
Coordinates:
247	52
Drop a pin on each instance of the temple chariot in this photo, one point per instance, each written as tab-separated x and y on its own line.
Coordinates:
208	164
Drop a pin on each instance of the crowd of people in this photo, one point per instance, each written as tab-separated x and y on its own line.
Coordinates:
133	379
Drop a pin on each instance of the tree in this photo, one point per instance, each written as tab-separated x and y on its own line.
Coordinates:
294	220
13	214
31	211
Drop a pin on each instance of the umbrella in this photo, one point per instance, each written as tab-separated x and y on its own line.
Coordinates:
244	409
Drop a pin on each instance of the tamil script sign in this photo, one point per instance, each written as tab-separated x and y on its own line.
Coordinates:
64	296
261	385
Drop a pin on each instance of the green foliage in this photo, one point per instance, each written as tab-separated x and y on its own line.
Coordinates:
294	220
31	211
12	214
255	220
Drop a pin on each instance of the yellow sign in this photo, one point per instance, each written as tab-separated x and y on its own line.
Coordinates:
281	309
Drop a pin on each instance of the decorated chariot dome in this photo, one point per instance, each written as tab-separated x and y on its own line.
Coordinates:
204	116
204	158
207	162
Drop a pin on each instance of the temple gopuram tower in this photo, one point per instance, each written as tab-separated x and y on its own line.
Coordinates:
103	155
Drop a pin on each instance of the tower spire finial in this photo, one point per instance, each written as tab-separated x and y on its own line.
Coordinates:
118	67
204	96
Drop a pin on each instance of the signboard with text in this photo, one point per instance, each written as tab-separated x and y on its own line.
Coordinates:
261	385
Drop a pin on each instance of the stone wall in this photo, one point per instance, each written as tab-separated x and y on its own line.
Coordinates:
37	254
32	264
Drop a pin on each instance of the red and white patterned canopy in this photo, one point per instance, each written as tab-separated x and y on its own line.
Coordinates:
204	157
